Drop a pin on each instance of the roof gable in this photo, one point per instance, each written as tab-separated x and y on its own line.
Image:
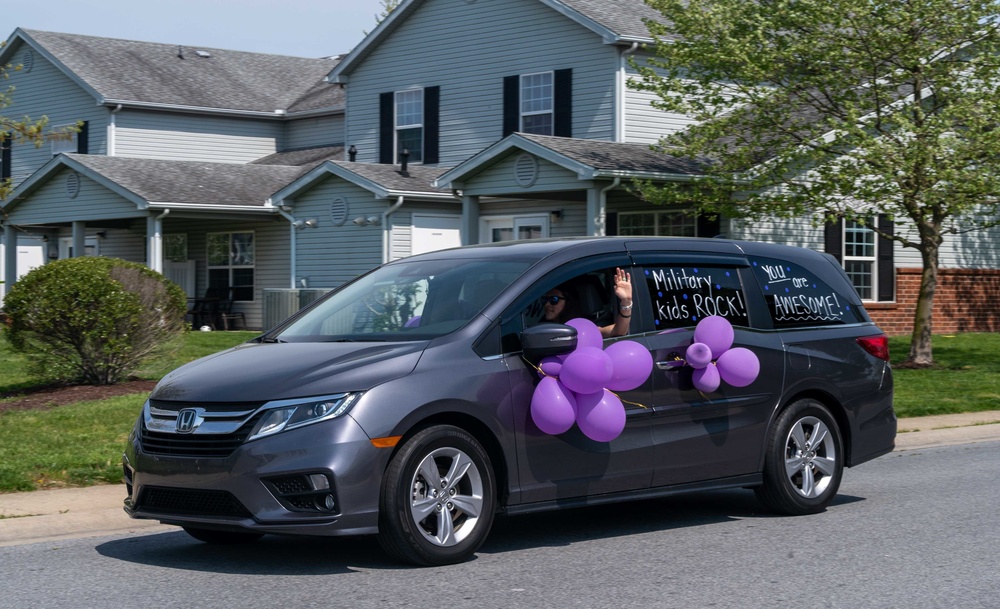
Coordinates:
384	181
170	76
616	21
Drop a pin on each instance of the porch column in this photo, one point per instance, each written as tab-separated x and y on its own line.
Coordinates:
595	215
154	238
79	239
470	220
9	258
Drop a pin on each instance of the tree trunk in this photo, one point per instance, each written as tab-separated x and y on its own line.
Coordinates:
921	353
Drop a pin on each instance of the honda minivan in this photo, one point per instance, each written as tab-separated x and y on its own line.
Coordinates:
400	404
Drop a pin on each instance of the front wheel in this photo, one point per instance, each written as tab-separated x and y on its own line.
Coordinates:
804	462
438	498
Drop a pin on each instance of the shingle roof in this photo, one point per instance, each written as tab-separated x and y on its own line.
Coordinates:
171	75
306	157
418	178
192	182
623	17
615	156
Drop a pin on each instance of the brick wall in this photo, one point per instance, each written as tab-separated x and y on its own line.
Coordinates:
967	300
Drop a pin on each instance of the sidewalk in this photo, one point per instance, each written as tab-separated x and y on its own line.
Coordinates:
44	516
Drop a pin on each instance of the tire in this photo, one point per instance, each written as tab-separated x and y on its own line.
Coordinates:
217	537
804	462
438	498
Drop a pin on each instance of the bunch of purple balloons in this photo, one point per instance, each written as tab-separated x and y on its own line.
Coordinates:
714	360
577	387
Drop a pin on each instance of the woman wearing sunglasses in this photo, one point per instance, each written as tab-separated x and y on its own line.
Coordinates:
561	305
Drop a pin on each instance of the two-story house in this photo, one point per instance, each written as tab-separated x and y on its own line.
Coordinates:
176	152
464	121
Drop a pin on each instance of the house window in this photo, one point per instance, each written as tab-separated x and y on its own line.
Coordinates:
513	228
70	138
537	103
657	223
860	258
231	264
175	247
5	156
410	123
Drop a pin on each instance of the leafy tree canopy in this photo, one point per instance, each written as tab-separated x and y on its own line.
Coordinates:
837	108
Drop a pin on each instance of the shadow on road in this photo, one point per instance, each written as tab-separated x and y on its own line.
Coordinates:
278	555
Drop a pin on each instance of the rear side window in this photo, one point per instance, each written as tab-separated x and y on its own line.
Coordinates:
683	295
796	297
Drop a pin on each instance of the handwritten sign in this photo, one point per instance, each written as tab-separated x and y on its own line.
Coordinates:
683	295
795	296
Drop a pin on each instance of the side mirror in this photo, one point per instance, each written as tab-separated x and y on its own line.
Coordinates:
545	340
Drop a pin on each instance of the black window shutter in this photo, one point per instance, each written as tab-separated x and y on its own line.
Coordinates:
708	228
511	104
386	127
432	124
833	234
5	157
563	94
82	138
886	263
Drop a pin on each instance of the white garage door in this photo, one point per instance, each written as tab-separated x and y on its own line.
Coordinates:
435	232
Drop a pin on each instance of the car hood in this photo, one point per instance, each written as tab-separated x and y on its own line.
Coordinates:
259	372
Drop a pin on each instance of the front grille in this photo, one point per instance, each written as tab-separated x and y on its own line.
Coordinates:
212	446
192	502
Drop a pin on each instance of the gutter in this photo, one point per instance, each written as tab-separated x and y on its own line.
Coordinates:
620	86
292	231
602	204
273	114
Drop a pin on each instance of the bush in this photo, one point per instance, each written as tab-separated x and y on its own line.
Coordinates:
92	320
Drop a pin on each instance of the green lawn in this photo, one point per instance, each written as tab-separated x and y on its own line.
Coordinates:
81	444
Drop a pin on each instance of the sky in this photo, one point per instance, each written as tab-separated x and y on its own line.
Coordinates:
304	28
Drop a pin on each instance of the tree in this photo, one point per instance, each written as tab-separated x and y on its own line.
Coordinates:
387	7
837	109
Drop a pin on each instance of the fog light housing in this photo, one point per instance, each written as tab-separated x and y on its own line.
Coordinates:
308	492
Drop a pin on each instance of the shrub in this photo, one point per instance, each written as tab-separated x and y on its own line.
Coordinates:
92	320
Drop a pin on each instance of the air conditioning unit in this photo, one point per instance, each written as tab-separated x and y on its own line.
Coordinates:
279	305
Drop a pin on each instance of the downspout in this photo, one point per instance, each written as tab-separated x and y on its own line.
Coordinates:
602	205
386	254
111	131
620	86
291	227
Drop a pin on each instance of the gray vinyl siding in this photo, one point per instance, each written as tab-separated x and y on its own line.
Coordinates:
645	124
51	203
794	231
44	91
313	132
500	179
482	43
167	136
329	255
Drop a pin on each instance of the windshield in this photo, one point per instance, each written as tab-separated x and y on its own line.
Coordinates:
416	300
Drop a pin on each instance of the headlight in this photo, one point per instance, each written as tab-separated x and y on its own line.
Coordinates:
289	414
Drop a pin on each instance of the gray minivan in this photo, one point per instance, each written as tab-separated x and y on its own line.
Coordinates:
400	403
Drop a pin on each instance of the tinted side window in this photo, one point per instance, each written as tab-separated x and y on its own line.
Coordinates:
795	297
682	295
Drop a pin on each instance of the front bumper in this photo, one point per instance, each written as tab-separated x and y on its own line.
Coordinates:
259	487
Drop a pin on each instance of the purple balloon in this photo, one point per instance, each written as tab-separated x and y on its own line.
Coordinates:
412	322
600	415
706	379
716	332
551	366
553	407
586	370
587	333
698	355
739	367
632	364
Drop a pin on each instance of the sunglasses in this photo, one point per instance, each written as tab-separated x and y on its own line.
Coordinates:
553	300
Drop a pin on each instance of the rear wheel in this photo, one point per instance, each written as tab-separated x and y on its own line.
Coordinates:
438	498
215	536
804	462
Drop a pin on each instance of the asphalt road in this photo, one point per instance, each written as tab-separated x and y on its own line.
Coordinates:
911	530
